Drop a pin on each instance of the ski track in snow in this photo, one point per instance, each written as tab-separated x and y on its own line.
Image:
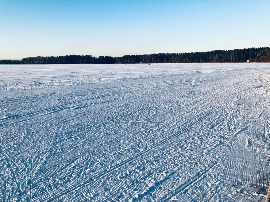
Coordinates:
159	132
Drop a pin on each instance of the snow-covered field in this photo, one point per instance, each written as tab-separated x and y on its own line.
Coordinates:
159	132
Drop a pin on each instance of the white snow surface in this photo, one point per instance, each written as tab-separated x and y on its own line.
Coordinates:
159	132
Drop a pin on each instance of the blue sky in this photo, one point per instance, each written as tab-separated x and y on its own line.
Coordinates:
119	27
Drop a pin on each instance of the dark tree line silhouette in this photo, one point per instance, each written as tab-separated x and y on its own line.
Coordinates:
10	62
238	55
69	59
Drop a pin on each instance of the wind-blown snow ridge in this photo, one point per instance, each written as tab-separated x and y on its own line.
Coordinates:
162	132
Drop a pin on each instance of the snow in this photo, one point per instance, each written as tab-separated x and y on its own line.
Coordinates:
184	132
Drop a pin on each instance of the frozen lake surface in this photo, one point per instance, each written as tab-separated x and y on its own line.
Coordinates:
159	132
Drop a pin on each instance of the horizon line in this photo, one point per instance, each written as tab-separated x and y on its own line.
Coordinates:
135	54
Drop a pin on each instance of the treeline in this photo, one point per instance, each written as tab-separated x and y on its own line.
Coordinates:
69	59
10	62
218	56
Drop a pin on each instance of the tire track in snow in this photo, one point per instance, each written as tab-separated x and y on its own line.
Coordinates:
154	187
186	126
219	119
52	110
196	178
187	122
190	123
199	175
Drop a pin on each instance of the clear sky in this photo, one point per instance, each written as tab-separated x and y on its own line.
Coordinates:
119	27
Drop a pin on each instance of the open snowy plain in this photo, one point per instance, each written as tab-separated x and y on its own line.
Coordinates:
159	132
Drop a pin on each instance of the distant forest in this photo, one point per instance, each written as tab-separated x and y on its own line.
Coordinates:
218	56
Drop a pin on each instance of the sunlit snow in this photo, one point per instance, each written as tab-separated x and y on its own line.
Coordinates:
184	132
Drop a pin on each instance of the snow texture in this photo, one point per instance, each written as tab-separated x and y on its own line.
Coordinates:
159	132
